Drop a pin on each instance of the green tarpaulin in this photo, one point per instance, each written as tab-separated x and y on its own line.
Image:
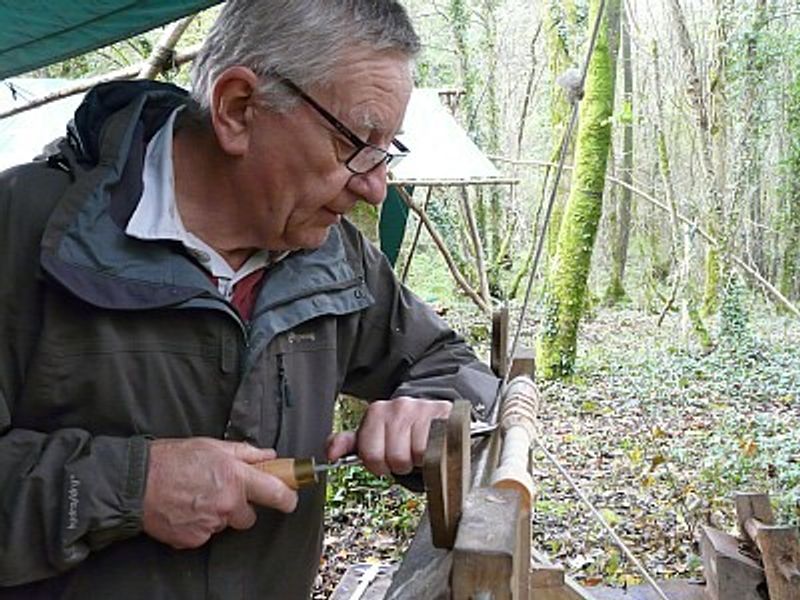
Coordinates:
392	226
36	33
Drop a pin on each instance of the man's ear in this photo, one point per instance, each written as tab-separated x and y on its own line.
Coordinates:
233	104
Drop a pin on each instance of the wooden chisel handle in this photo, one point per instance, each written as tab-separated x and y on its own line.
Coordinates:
294	472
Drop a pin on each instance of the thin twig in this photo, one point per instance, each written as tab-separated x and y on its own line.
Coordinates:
181	57
477	245
413	249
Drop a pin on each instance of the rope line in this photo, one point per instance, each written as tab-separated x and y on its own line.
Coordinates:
597	515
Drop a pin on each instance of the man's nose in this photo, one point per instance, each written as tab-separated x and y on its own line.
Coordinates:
371	187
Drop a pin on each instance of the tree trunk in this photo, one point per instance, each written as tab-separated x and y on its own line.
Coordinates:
749	179
559	20
721	218
790	221
492	238
566	283
696	91
622	220
681	243
459	18
790	274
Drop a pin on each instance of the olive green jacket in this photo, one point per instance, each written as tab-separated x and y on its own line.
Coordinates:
108	341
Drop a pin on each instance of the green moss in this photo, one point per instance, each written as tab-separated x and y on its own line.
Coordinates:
711	291
699	328
615	292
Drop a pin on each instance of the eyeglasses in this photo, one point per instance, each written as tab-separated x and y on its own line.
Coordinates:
366	156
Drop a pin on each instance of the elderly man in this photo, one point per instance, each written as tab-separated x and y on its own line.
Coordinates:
181	298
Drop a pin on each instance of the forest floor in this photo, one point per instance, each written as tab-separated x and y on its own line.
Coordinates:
657	436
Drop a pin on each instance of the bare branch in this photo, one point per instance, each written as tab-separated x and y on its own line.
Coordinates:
750	270
444	251
181	57
161	57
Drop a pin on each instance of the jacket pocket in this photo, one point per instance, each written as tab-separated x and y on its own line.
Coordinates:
307	385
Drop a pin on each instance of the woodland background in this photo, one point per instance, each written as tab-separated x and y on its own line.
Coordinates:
664	307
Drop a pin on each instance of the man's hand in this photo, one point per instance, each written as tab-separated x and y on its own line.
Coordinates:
392	436
199	486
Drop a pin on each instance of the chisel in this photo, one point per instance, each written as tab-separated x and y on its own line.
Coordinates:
302	472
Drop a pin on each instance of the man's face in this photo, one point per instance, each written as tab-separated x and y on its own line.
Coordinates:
299	184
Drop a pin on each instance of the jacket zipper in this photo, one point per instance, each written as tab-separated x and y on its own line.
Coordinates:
283	384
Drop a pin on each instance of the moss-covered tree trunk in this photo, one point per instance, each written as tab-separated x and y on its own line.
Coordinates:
719	225
458	13
492	239
561	19
566	282
621	222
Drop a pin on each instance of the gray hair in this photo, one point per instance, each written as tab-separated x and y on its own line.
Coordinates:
302	40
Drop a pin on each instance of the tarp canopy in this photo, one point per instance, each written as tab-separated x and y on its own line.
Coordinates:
441	151
35	33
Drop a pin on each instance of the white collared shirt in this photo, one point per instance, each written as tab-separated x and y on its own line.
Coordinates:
157	218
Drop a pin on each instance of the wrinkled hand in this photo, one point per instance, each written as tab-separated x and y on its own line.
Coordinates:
392	436
199	486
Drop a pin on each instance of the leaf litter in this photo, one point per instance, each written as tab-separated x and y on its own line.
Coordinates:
658	435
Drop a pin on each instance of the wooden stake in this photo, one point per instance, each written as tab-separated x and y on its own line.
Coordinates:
499	359
779	545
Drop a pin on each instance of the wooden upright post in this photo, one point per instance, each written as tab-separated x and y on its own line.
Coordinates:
499	358
492	554
446	472
779	545
484	558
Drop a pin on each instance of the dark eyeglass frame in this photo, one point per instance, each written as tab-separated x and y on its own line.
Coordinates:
359	144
